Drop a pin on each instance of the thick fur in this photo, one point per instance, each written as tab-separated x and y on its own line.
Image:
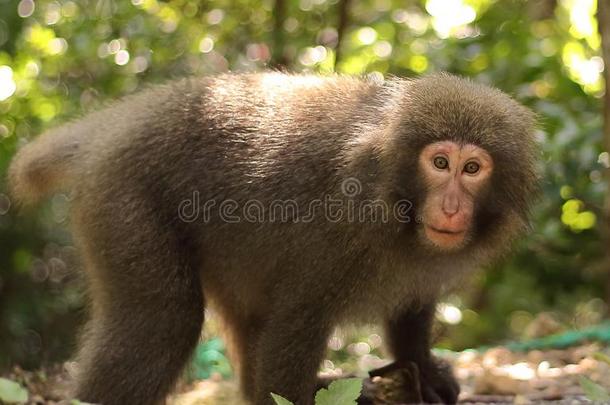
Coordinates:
281	286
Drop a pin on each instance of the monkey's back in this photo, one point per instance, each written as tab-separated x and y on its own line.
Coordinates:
252	140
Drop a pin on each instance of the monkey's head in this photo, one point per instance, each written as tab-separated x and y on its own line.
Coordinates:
474	178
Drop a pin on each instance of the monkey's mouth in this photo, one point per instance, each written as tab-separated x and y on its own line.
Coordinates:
445	239
445	231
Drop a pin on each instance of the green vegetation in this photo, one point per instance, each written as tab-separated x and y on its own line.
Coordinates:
11	392
593	391
59	58
344	392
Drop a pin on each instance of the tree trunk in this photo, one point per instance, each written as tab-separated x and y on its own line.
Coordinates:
344	6
603	19
278	59
541	9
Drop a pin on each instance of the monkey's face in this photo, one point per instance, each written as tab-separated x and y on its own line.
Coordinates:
454	175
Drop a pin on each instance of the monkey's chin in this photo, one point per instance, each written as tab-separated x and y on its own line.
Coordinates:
445	240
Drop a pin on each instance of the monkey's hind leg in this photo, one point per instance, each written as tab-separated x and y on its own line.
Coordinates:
147	310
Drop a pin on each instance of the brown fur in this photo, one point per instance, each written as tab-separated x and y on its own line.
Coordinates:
281	286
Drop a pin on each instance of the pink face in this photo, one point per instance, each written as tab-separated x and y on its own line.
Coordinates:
454	175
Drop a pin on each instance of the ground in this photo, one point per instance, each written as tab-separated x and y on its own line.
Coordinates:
494	376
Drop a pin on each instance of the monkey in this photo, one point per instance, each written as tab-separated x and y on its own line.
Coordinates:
289	204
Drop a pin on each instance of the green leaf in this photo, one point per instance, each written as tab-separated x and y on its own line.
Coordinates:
340	392
280	400
11	392
593	391
599	356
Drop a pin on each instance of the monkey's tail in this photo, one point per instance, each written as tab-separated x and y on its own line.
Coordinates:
44	166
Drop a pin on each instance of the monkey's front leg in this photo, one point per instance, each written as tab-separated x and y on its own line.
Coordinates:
289	352
409	340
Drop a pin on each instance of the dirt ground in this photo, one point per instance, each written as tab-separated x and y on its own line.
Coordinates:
496	376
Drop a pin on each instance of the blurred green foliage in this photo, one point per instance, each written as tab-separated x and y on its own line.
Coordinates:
61	58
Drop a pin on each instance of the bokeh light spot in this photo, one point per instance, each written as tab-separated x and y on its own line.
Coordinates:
121	58
449	313
449	15
7	84
418	63
25	8
206	45
366	35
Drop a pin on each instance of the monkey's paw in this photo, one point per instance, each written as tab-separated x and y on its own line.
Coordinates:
437	383
431	382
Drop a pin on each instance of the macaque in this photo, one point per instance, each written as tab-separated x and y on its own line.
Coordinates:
289	204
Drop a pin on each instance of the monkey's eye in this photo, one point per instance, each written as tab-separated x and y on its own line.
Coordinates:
472	167
441	162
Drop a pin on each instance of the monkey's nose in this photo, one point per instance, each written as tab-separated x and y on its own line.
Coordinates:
450	214
451	206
